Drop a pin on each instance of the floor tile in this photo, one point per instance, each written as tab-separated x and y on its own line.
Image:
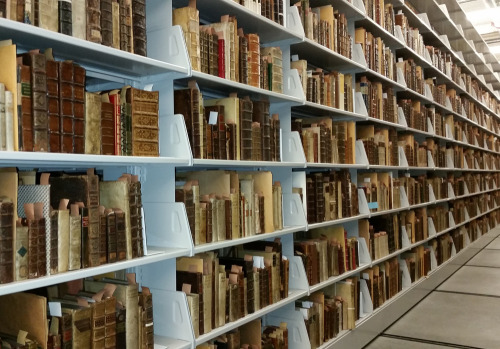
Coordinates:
452	318
486	258
494	245
393	343
478	280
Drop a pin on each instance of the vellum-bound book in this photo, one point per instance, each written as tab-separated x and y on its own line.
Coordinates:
189	20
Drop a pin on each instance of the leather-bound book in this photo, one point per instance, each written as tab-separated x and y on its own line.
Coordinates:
144	115
46	13
79	19
93	9
243	65
193	301
204	56
75	238
20	15
107	129
92	123
37	64
253	59
262	116
245	119
213	52
59	238
78	109
103	248
81	325
135	203
66	330
3	8
98	324
231	138
121	235
189	20
7	240
264	73
25	115
65	17
110	325
276	128
111	242
196	286
107	22
21	251
187	103
139	26
66	100
36	240
52	68
146	322
256	142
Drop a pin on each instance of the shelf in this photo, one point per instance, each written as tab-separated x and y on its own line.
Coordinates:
219	86
377	31
310	108
170	343
251	22
154	255
210	163
339	166
336	222
350	10
227	243
320	56
292	297
334	279
94	57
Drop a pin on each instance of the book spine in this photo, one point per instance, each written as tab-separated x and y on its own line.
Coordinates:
93	9
139	26
65	17
107	22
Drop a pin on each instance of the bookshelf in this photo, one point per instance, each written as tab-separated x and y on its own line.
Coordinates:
168	68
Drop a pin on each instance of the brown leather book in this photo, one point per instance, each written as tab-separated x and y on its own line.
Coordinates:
81	325
262	116
37	256
66	99
111	248
196	286
21	251
107	129
20	11
52	68
135	201
78	109
187	103
126	25
98	324
26	116
121	235
92	123
37	64
145	127
253	59
94	21
246	112
110	316
139	27
243	64
204	56
103	248
256	142
66	330
65	17
7	240
107	22
3	8
146	321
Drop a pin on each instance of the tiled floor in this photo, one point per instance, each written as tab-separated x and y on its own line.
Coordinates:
462	312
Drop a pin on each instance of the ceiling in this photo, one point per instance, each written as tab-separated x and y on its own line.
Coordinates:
485	16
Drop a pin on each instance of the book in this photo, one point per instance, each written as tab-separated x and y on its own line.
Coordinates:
139	27
93	22
92	123
107	22
188	18
7	240
107	142
65	17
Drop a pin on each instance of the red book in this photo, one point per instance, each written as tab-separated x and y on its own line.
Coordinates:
115	100
222	61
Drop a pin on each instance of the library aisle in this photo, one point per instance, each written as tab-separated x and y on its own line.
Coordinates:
461	312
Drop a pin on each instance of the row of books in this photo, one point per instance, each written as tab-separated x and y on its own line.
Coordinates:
227	205
332	89
229	128
326	26
222	289
380	101
326	141
382	13
67	222
252	335
50	111
379	57
120	24
222	49
270	9
103	313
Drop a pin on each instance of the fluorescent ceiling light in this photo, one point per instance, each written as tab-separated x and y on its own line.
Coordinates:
495	49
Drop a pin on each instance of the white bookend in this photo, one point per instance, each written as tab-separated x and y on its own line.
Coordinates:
477	164
462	83
295	324
423	17
430	160
467	217
366	304
293	150
293	85
400	78
293	23
359	104
174	320
403	162
298	277
401	117
363	252
460	30
434	263
466	189
431	227
427	57
453	249
467	239
406	279
474	118
398	33
447	103
461	57
449	161
464	138
176	145
481	78
430	127
477	208
358	55
362	202
293	211
452	220
444	39
473	69
451	192
464	114
403	197
428	93
405	240
174	48
432	196
487	186
485	146
474	95
361	158
486	166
